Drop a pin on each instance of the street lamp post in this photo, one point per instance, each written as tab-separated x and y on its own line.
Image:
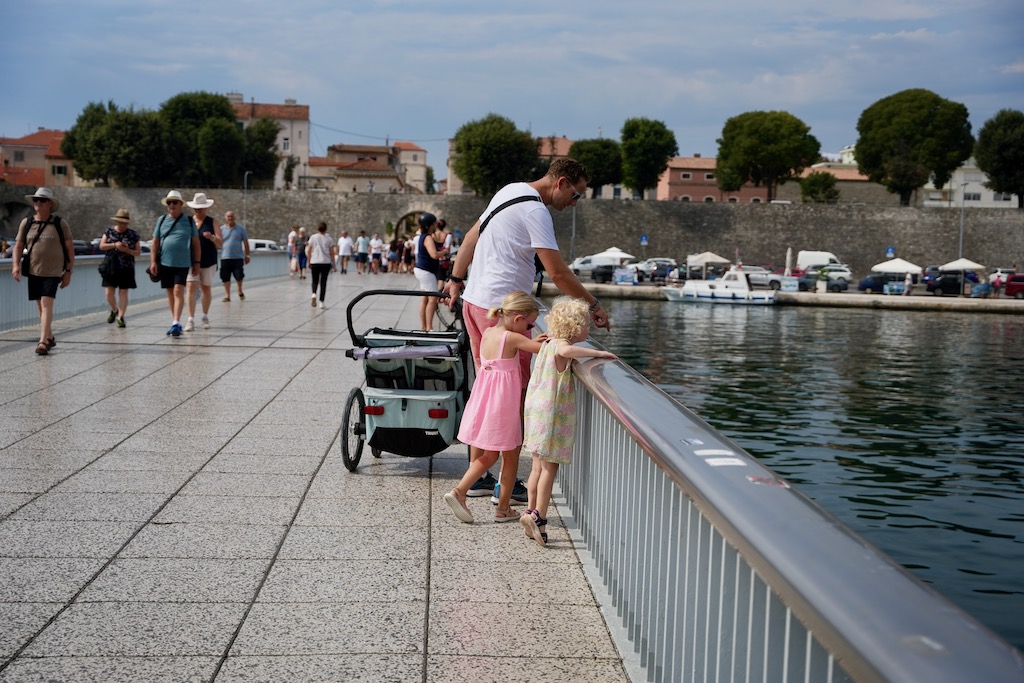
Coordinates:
962	204
245	187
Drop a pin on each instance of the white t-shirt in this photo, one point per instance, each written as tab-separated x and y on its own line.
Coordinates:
503	259
320	249
345	246
376	245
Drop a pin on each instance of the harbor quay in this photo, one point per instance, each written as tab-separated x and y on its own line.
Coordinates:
176	509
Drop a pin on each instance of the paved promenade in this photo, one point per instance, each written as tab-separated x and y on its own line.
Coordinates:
177	510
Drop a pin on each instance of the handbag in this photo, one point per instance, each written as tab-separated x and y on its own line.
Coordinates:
109	267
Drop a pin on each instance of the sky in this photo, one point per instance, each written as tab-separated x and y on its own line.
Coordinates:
383	70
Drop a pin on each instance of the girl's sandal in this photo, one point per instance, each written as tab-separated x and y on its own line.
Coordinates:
506	515
532	521
458	506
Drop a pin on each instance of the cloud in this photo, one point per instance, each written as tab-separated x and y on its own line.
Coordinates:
1016	68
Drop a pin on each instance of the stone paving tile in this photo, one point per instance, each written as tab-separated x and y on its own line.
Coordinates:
354	506
30	481
32	538
208	483
57	438
544	583
220	541
25	456
176	580
184	441
452	669
44	579
351	668
124	459
139	630
322	629
9	502
327	581
92	507
357	542
108	669
96	480
264	464
20	622
228	510
310	446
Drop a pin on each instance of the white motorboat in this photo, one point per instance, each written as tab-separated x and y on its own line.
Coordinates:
732	288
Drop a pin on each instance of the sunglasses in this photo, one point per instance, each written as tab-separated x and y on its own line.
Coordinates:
39	200
576	196
173	202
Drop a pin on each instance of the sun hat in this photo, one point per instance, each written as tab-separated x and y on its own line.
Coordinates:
200	201
43	193
121	216
173	194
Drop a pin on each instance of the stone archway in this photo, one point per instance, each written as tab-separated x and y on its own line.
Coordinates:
408	223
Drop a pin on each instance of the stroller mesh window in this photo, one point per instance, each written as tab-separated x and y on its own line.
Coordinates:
434	374
386	373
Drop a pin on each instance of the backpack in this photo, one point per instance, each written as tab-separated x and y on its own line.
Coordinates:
29	222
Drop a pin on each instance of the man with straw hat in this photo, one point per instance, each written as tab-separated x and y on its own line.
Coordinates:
49	260
126	247
175	252
209	243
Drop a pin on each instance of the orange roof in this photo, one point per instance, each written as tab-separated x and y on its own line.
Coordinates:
849	173
408	146
703	163
356	149
252	110
41	138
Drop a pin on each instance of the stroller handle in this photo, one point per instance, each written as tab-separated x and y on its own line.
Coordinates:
360	340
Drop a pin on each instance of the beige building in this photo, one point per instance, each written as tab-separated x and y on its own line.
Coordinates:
36	159
292	134
393	169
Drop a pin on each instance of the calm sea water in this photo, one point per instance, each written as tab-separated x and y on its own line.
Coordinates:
908	426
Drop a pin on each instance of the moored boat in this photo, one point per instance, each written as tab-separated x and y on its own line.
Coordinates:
732	288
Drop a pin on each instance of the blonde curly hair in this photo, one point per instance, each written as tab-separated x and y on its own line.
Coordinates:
567	318
519	303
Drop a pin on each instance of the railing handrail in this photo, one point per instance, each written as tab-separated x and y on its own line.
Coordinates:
879	621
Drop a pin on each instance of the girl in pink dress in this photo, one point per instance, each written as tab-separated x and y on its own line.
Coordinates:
550	413
492	420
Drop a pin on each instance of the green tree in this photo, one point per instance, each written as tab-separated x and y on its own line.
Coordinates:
603	159
289	169
431	181
260	155
764	148
647	147
999	152
184	115
910	137
819	188
220	147
135	142
85	142
492	152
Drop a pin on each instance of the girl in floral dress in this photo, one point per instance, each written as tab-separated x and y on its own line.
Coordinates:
550	410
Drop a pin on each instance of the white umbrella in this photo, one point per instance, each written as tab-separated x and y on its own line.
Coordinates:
896	265
962	264
615	252
704	260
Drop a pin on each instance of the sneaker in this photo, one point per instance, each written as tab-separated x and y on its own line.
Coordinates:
519	492
312	300
206	323
170	330
112	317
322	305
226	299
483	486
190	325
175	330
120	322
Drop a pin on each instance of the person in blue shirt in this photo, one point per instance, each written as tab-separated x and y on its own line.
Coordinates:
174	254
234	254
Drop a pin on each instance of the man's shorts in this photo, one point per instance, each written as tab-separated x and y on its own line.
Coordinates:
205	277
362	257
476	321
169	277
232	267
39	286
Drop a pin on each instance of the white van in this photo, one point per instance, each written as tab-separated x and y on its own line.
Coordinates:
263	245
806	259
585	264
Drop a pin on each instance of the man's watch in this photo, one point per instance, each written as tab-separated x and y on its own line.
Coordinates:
456	279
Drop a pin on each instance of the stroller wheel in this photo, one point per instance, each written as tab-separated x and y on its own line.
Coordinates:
375	451
353	430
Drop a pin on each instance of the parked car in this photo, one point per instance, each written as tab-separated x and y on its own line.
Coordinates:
875	282
655	269
1004	273
946	283
760	276
808	282
585	264
263	245
1014	286
83	248
602	273
834	271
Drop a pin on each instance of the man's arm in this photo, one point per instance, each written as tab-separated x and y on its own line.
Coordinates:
460	268
569	284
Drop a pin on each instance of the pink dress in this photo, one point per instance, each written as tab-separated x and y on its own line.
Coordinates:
491	419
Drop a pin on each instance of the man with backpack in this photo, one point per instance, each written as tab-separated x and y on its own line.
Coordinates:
44	252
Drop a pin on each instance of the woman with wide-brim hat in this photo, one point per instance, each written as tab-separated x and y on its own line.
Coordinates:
209	242
127	246
51	256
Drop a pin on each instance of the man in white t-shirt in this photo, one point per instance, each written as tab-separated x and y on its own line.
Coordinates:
376	250
503	261
291	250
344	251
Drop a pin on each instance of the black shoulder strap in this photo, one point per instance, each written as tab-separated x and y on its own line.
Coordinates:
30	221
526	198
60	236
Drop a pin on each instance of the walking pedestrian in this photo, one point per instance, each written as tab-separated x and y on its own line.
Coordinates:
362	252
492	420
234	255
320	251
49	260
209	243
428	252
550	408
344	251
301	240
124	246
175	253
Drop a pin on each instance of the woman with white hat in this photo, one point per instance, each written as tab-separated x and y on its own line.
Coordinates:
209	243
174	254
50	260
125	244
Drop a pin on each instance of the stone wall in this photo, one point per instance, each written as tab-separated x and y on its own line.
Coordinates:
760	233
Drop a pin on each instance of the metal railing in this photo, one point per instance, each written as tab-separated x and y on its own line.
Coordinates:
717	570
85	293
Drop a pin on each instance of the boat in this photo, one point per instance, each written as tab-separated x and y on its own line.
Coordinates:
732	288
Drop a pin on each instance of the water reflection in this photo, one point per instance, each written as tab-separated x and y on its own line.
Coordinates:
905	425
